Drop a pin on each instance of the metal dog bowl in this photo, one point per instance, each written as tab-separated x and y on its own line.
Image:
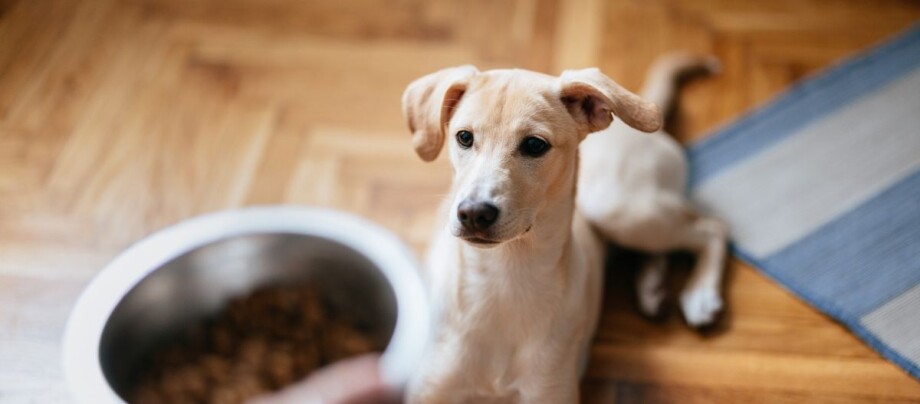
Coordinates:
180	275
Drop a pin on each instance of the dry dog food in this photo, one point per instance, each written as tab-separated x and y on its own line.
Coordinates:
260	343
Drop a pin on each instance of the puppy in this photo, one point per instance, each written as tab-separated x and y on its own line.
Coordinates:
515	270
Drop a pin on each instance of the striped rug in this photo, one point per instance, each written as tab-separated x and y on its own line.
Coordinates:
822	191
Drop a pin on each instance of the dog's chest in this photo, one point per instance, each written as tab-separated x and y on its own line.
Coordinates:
496	336
509	302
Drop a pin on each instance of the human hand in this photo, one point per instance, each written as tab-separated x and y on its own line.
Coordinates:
351	381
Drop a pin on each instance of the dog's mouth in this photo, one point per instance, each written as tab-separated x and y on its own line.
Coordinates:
479	240
485	239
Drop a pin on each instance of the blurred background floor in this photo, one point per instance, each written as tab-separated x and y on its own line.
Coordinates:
118	117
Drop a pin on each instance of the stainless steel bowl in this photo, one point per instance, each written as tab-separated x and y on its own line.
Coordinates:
184	273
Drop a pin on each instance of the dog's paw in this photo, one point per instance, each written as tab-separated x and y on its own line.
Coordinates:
651	299
701	306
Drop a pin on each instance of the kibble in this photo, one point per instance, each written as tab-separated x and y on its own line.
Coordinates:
260	343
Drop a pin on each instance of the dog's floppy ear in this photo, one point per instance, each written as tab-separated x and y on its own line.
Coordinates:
428	104
590	96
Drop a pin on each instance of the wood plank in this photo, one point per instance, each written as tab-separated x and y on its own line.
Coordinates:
120	117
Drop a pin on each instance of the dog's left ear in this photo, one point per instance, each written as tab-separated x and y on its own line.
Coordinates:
428	104
591	97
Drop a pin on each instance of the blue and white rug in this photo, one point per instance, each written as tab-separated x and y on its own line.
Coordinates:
822	191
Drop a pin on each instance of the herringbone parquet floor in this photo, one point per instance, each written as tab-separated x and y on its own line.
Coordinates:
118	117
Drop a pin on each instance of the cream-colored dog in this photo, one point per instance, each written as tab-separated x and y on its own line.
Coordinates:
515	273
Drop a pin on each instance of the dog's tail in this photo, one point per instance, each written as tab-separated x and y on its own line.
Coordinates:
662	78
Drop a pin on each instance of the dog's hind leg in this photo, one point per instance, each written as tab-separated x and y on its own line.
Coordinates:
701	298
668	223
650	287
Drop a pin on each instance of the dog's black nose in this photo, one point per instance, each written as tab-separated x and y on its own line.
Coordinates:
477	215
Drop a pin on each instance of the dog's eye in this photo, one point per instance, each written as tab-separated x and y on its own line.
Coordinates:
465	138
534	147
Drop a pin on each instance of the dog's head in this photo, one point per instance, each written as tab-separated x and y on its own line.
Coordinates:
513	139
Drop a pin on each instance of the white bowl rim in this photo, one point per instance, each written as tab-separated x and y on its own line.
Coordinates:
81	365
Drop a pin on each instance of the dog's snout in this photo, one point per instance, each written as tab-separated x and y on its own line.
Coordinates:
477	215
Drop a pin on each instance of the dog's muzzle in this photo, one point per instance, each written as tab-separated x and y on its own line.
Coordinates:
477	219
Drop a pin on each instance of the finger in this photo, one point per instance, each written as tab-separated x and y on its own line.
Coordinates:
351	381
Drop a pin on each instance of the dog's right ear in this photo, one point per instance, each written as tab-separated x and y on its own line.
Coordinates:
428	104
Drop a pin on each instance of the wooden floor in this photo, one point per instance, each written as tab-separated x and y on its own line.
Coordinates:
118	117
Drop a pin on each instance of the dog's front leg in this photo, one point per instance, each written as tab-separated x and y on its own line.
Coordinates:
552	390
440	379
